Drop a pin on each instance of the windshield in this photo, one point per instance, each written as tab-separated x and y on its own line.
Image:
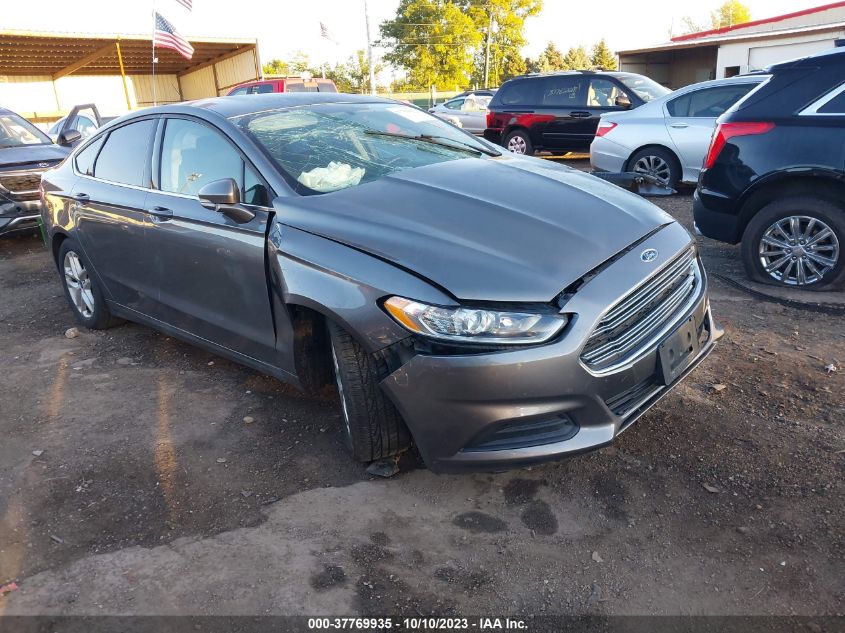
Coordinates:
16	131
645	88
327	147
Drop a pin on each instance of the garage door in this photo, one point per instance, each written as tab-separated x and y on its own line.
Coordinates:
764	56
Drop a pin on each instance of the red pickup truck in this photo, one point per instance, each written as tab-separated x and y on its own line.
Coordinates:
286	84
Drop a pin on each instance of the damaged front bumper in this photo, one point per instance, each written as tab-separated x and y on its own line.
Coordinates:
505	409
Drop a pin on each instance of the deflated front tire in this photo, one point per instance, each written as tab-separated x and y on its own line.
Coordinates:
373	427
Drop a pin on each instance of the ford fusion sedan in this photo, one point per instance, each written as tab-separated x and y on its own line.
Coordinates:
492	310
25	152
667	138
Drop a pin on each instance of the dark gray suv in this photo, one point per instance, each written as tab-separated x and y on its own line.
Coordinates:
493	310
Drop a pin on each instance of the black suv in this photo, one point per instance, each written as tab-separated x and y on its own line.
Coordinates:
560	111
774	177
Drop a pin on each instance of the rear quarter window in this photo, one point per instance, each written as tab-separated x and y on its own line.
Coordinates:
834	106
524	92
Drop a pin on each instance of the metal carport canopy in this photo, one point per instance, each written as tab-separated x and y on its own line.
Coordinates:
61	54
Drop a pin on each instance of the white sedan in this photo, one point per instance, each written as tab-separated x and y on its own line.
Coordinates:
667	138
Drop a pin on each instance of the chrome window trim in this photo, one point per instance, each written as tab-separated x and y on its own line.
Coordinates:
813	108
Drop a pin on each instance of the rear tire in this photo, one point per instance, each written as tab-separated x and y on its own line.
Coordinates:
373	427
519	142
657	162
818	222
81	289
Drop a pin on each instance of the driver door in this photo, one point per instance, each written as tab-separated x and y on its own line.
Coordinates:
209	270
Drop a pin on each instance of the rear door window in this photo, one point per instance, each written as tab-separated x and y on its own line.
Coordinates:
123	158
708	102
85	159
563	91
239	91
263	89
521	93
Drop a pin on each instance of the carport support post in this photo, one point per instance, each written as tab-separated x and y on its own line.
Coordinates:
123	76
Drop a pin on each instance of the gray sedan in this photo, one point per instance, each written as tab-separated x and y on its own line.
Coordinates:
468	112
490	309
667	138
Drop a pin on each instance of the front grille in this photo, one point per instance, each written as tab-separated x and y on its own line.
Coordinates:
21	184
631	324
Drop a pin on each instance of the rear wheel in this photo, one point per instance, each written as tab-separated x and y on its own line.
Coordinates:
81	289
519	142
373	427
657	162
797	242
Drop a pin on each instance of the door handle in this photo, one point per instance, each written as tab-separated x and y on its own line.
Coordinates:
679	126
161	212
579	115
81	197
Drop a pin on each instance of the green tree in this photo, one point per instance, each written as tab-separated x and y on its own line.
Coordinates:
300	63
730	13
577	58
603	58
433	41
504	22
550	59
276	67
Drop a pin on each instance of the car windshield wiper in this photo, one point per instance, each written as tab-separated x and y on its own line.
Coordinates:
438	140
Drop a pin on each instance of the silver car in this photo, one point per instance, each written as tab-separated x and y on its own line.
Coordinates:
667	138
468	112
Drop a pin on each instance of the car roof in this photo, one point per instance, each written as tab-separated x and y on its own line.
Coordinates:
238	105
557	73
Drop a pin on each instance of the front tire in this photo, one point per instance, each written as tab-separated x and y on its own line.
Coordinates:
373	427
519	142
659	163
797	243
81	289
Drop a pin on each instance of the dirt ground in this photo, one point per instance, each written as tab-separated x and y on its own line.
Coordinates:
131	484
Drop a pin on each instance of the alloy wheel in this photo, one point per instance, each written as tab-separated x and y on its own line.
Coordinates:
517	145
79	284
798	250
654	166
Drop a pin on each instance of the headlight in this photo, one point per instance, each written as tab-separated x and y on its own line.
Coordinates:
473	324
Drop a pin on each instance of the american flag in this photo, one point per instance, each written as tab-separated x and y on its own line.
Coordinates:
186	3
324	32
166	36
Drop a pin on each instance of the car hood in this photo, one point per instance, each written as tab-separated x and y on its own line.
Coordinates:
507	229
29	156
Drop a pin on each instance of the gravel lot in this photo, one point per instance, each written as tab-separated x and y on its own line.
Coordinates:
130	483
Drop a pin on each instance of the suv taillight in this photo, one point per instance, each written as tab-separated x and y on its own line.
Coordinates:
604	128
725	131
490	118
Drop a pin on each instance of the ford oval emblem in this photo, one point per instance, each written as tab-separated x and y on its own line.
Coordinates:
649	255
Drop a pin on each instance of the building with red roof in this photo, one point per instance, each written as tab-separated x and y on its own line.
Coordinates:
738	49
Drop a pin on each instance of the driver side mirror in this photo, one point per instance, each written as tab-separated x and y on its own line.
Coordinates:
224	196
68	137
622	101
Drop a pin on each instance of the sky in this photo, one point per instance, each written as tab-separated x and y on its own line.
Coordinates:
285	26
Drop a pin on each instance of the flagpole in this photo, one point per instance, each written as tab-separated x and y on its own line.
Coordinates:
370	50
153	36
